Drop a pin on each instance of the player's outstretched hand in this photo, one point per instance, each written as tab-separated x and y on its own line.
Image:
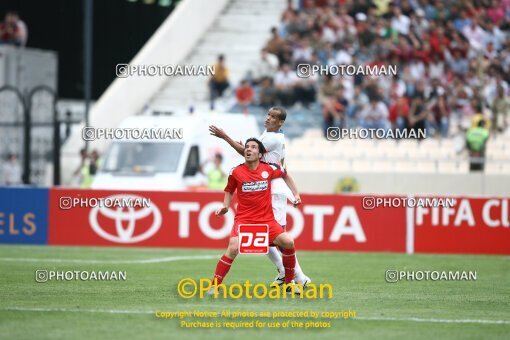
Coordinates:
297	201
221	211
217	132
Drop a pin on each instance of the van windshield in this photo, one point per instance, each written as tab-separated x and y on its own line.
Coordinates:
142	158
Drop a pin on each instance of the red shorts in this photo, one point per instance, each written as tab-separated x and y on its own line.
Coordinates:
274	229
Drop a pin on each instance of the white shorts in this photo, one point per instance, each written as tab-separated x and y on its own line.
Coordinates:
279	202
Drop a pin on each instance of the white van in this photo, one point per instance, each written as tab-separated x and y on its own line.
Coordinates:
171	164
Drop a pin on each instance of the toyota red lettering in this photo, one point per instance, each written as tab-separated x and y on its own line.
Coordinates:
186	219
322	222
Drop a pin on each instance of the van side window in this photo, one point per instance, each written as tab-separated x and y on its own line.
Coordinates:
193	163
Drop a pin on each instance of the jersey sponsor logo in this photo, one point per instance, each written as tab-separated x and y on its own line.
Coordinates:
254	186
253	238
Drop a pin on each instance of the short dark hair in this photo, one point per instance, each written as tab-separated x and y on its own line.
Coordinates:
374	98
262	149
282	115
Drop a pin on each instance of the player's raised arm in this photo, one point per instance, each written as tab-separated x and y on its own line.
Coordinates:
226	204
217	132
279	171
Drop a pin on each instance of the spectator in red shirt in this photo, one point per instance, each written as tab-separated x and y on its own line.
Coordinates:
404	51
244	95
438	41
399	113
423	52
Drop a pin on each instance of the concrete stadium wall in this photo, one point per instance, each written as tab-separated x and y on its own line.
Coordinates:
406	183
170	44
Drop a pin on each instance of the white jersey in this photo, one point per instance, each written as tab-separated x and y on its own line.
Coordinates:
274	142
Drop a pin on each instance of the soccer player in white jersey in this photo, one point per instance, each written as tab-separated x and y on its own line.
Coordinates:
274	142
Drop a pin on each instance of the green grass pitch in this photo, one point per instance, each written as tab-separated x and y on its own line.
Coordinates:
126	309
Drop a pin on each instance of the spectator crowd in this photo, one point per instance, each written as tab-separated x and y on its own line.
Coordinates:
452	57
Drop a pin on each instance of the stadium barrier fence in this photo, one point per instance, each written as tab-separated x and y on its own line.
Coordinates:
75	217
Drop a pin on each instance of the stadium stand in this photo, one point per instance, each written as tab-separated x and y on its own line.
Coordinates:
455	57
357	155
237	33
436	56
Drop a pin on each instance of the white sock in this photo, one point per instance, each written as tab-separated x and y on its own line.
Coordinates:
275	257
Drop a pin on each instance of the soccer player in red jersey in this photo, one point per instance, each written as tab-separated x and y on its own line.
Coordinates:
274	144
252	180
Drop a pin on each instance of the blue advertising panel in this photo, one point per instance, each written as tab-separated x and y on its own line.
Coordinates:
24	215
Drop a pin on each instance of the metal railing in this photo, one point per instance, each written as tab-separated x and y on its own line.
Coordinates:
30	126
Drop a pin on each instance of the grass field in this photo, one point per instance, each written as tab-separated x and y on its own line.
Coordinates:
126	309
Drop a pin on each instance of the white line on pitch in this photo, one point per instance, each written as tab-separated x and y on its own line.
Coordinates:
114	311
505	322
65	310
154	260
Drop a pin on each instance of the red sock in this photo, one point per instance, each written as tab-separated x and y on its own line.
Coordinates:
222	268
289	262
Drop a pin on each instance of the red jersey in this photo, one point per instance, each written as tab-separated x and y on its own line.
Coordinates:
254	191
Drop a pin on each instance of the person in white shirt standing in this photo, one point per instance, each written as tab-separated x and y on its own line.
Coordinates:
12	170
285	82
475	35
400	22
265	67
274	142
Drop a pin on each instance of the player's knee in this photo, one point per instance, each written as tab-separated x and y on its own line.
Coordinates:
287	242
232	250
